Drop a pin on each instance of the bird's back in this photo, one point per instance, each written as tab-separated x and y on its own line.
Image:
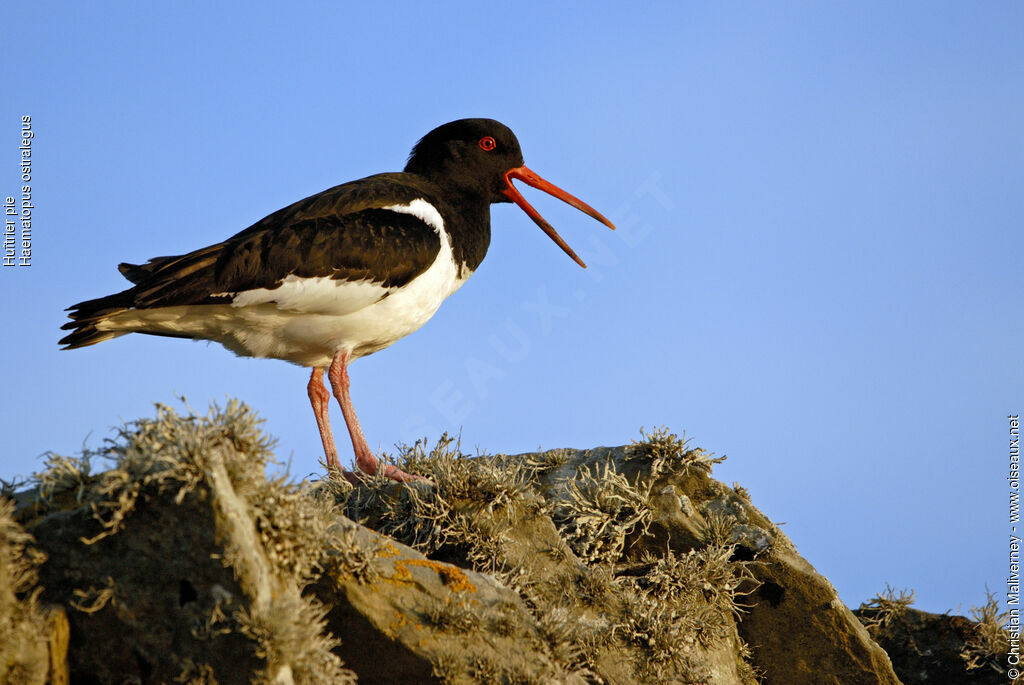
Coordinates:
332	254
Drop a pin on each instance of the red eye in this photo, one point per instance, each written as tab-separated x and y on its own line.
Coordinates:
487	143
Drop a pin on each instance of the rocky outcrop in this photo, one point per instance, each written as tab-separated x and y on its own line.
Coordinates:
940	648
181	561
33	641
797	629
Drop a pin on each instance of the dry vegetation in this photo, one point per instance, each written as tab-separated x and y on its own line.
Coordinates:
885	608
595	586
977	649
612	565
275	537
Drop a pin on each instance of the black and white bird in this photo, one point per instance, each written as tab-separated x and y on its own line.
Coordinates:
338	275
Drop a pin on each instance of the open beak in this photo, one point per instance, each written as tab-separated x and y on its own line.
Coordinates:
530	178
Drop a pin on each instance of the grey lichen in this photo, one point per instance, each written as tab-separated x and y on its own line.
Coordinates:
152	456
542	462
989	644
717	528
668	453
593	591
601	512
453	614
348	557
685	600
24	656
660	631
64	474
292	639
466	508
275	535
593	584
885	608
601	592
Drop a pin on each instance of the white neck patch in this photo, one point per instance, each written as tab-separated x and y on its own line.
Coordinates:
422	210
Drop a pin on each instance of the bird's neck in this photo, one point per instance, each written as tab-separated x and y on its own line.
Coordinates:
468	223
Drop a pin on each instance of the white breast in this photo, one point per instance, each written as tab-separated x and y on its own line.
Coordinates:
307	320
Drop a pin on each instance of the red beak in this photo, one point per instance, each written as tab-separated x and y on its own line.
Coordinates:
530	178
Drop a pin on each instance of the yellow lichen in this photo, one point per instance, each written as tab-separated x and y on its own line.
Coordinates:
399	622
389	550
452	576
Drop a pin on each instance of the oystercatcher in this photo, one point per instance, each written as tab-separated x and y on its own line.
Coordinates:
338	275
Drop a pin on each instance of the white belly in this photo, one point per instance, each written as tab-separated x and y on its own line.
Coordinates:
308	320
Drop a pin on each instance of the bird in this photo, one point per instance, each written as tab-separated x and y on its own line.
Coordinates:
338	275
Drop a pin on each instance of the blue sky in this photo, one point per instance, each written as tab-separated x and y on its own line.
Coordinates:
817	271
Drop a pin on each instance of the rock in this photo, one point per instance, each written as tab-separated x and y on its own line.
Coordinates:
593	623
939	648
797	628
184	562
417	616
24	625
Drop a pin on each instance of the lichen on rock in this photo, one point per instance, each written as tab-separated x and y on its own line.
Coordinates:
173	548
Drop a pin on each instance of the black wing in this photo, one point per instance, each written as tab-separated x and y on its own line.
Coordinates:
341	233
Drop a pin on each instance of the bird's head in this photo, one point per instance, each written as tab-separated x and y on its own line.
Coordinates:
482	157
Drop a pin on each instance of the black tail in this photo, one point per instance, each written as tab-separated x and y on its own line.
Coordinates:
86	315
160	282
135	273
86	334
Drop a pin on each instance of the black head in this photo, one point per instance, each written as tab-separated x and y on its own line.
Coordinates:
470	154
480	157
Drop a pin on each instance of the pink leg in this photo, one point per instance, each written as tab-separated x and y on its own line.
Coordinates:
321	401
365	461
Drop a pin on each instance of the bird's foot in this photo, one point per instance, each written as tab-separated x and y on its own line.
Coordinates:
395	473
369	467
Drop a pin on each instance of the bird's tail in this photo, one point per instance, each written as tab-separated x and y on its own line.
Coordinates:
160	282
88	318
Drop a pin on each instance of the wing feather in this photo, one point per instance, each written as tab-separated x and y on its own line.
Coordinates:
342	233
